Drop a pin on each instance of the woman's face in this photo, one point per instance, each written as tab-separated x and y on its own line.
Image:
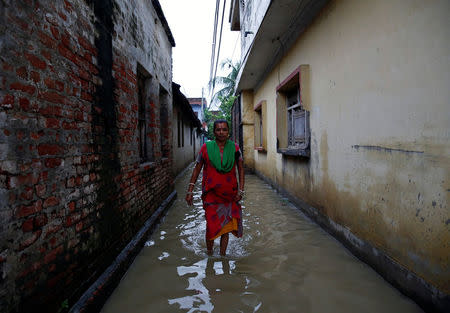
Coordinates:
221	131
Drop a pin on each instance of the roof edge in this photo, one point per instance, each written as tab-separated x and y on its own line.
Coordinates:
161	16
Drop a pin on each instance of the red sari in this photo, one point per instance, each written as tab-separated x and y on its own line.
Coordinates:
222	213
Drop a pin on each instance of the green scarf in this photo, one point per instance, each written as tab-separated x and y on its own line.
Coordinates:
228	156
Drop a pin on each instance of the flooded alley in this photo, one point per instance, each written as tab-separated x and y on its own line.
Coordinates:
283	263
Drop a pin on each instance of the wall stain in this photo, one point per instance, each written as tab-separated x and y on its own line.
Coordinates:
385	149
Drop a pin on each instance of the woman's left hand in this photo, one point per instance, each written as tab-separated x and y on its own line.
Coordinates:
238	198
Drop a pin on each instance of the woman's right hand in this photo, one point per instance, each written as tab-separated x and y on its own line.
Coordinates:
189	198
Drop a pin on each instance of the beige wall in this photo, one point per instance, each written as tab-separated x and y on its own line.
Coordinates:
184	155
380	127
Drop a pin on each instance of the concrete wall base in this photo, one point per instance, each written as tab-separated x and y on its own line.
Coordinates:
428	297
97	294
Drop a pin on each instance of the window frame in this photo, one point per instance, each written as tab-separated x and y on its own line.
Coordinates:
287	143
260	126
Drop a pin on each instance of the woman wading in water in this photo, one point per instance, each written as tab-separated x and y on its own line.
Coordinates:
220	192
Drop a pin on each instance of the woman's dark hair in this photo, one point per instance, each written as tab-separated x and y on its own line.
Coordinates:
218	122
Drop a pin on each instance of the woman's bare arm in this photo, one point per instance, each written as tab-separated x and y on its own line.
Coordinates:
240	168
194	176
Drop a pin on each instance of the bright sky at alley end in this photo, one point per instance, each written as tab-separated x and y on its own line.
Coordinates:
192	25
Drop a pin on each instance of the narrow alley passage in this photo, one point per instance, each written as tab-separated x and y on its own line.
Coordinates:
283	263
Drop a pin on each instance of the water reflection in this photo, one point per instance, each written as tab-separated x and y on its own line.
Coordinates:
283	263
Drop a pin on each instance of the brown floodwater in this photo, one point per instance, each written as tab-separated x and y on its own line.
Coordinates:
283	263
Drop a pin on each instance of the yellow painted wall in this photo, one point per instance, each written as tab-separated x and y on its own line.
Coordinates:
380	127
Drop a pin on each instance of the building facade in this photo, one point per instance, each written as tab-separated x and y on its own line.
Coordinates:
85	141
198	105
187	131
345	107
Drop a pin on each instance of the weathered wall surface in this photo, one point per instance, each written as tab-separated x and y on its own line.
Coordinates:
185	153
247	114
252	14
380	119
72	188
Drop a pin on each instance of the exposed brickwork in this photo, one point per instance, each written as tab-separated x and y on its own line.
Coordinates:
72	189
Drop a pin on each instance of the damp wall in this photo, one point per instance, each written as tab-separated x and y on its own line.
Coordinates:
379	118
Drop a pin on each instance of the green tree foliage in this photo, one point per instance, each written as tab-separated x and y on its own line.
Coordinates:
224	113
228	83
224	96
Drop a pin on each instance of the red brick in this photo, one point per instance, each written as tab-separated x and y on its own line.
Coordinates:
30	240
51	201
25	211
25	88
43	176
66	53
72	219
8	101
51	96
67	125
50	83
53	242
52	268
40	190
35	136
22	72
72	206
40	221
35	77
49	149
63	16
52	123
47	40
24	104
51	229
52	162
59	86
68	6
46	54
70	182
27	226
35	61
79	226
55	32
86	96
27	194
51	110
51	256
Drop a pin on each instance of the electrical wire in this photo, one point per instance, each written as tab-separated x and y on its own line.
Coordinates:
216	19
220	41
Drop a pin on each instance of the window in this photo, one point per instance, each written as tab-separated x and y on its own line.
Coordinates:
145	145
293	131
260	126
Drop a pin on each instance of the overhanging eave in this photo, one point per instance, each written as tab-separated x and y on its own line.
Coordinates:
283	23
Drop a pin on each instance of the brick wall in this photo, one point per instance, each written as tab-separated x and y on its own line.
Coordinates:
73	190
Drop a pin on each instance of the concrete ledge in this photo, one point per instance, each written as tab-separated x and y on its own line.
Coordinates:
427	296
97	294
